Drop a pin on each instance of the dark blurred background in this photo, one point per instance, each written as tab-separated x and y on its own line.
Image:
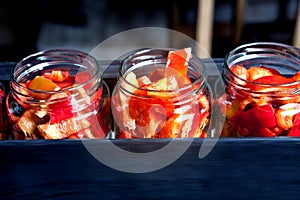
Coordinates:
33	25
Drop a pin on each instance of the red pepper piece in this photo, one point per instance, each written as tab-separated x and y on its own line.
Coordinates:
182	80
97	97
76	135
258	72
66	83
171	128
139	109
83	77
296	77
143	100
254	119
97	127
57	75
178	60
177	65
295	130
57	115
273	79
124	135
262	116
60	110
264	132
240	71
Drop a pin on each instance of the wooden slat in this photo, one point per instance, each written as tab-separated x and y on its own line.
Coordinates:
239	20
237	168
296	41
204	27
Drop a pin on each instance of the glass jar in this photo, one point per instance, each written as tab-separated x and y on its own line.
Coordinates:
4	132
261	96
57	94
152	101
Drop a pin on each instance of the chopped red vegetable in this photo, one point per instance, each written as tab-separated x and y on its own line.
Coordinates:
259	111
154	111
57	75
256	118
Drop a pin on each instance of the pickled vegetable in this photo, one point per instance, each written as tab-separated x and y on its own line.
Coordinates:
264	104
157	107
64	113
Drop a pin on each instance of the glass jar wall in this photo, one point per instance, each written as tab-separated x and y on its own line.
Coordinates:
161	93
4	127
262	82
57	94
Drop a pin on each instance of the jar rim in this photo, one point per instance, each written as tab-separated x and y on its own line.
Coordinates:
199	81
56	55
274	44
279	50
